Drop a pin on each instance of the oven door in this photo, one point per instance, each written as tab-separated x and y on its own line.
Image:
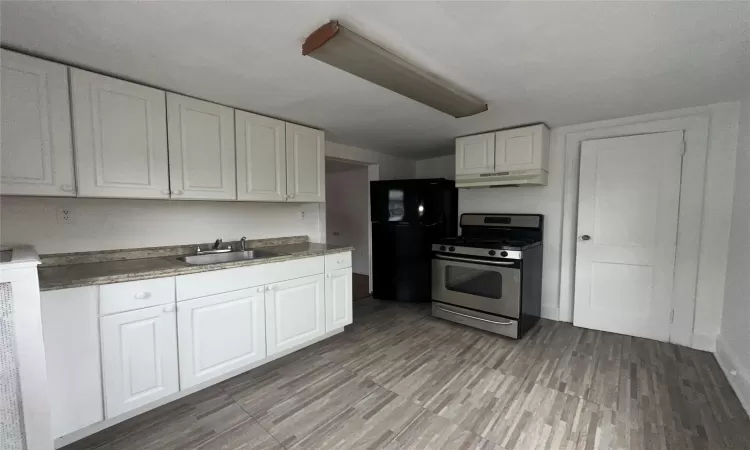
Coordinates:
489	286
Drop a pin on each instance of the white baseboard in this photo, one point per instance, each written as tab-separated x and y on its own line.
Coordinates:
705	342
550	312
737	374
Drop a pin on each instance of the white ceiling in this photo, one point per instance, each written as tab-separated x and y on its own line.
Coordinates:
556	62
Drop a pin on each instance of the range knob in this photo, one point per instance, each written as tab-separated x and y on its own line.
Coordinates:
452	249
492	252
442	247
503	254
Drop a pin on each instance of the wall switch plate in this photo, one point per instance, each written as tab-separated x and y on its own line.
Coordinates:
65	215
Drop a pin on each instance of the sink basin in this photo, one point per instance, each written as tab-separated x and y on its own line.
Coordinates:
215	258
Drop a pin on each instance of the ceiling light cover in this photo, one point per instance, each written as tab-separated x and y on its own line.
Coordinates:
342	48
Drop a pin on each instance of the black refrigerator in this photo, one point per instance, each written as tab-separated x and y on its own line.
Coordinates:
408	216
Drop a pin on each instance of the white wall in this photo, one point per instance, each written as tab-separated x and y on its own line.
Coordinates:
733	346
548	200
391	167
104	224
347	204
440	167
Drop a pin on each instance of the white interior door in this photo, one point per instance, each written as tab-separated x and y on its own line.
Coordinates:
261	158
627	231
201	149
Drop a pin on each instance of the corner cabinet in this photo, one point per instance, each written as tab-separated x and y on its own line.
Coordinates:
220	333
305	164
120	136
37	153
261	157
295	312
201	149
139	357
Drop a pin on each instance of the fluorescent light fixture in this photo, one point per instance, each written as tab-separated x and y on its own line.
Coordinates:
342	48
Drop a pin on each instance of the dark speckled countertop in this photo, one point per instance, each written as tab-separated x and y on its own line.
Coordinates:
117	266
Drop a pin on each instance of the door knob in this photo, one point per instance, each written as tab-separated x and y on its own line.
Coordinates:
585	237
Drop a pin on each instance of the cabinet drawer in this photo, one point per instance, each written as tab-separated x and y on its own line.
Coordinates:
340	260
114	298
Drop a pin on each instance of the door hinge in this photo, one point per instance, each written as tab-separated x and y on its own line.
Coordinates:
671	316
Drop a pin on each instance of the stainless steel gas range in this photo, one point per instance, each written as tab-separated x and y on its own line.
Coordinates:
490	277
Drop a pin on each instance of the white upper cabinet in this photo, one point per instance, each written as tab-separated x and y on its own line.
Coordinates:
36	154
220	333
522	149
201	149
295	312
475	154
120	138
139	357
261	158
305	164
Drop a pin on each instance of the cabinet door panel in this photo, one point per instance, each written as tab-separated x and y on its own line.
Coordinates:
521	149
295	312
475	154
139	358
305	164
220	333
201	149
261	158
338	299
37	153
121	138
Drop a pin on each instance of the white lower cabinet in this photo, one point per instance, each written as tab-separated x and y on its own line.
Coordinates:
139	357
295	312
225	321
338	298
220	333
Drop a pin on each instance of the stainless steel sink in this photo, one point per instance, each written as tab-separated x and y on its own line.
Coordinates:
216	258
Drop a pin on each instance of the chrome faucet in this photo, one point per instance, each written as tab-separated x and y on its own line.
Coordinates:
243	243
217	244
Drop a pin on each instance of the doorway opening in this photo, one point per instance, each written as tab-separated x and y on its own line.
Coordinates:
347	216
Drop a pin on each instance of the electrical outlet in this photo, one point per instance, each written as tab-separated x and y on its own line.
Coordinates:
65	215
302	215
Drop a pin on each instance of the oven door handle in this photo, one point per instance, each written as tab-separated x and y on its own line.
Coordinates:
477	261
475	318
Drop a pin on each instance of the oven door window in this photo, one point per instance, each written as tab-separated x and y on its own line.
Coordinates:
473	281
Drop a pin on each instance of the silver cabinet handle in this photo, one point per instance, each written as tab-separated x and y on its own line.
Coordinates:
169	309
476	318
269	288
177	192
585	237
260	289
142	295
479	261
328	275
67	188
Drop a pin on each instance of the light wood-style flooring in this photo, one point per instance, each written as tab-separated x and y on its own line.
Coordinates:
400	379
